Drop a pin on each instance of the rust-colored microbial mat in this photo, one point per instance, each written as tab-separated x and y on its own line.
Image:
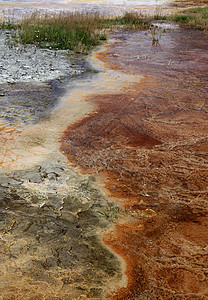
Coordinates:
149	146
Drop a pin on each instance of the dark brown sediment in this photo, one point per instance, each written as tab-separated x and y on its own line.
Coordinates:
151	144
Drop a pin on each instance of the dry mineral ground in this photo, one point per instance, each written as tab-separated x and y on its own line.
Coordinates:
105	195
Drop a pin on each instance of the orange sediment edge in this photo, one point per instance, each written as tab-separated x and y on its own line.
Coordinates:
116	238
7	145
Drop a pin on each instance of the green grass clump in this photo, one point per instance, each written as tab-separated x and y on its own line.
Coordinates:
129	20
134	20
110	214
193	17
77	32
8	25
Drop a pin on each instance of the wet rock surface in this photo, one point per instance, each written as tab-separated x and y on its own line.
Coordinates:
49	244
22	104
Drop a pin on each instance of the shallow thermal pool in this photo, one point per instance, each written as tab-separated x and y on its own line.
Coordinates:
18	8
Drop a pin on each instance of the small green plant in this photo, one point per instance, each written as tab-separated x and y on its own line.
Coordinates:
87	183
110	215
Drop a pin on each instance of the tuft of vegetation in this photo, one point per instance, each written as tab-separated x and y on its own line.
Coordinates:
193	17
110	214
74	31
134	20
8	25
129	20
